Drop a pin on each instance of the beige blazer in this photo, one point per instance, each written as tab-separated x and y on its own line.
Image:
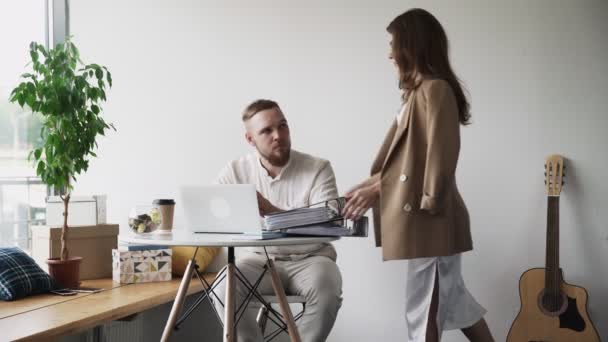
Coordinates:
420	212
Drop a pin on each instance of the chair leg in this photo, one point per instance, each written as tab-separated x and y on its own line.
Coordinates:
284	306
262	318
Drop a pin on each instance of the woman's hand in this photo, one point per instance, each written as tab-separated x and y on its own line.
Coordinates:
369	181
265	206
360	198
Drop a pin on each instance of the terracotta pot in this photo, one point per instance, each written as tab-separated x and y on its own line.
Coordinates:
66	272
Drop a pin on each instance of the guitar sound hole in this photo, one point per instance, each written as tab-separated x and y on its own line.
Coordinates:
551	304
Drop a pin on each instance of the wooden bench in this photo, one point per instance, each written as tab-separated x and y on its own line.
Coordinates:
47	317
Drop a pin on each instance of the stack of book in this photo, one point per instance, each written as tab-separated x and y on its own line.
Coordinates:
124	247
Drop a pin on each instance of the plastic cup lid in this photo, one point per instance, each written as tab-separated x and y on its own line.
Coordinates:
163	201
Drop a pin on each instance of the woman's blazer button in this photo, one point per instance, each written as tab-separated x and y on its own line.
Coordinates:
407	207
403	178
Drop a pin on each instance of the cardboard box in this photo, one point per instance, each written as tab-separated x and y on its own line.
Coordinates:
102	211
93	243
141	266
83	211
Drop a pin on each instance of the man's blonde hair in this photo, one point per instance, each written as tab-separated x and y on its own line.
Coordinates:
257	106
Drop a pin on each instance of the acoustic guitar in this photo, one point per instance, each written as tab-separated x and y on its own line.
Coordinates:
551	309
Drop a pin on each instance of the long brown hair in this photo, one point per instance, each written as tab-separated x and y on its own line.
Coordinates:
420	49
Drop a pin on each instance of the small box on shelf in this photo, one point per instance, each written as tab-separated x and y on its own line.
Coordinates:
141	266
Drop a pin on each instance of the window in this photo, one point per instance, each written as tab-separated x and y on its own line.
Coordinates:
22	194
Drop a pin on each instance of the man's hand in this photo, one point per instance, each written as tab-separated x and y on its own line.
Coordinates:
265	206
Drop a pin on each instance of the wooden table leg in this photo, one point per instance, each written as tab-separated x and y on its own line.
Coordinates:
179	301
229	330
229	309
285	310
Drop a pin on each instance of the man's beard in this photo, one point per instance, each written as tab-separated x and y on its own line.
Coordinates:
274	159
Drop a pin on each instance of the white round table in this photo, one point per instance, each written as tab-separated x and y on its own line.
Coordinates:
181	237
186	238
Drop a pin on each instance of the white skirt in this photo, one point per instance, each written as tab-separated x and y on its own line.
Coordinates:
456	307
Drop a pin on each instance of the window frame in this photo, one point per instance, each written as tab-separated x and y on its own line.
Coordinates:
56	30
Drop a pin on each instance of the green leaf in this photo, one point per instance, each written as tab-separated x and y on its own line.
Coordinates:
40	168
42	50
37	153
31	87
74	50
95	109
30	99
14	96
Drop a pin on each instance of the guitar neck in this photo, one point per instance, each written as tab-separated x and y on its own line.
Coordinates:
552	274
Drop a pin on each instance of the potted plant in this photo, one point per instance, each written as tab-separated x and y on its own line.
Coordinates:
67	94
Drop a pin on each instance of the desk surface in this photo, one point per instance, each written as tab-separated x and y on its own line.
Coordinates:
46	317
185	238
32	303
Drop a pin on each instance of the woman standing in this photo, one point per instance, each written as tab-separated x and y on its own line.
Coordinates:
418	212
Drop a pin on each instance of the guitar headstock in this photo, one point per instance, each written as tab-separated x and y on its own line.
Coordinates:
554	174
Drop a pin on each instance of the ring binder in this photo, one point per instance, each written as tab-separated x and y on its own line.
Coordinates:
323	218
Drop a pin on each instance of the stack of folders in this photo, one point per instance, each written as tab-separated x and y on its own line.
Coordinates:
261	235
299	217
357	228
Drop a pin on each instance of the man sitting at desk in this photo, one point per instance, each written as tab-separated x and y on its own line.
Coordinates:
286	179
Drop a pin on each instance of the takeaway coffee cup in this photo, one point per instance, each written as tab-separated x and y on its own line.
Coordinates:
166	208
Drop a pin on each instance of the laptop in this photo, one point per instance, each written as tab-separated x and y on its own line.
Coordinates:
221	208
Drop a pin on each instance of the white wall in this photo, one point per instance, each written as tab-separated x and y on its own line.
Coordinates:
183	71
